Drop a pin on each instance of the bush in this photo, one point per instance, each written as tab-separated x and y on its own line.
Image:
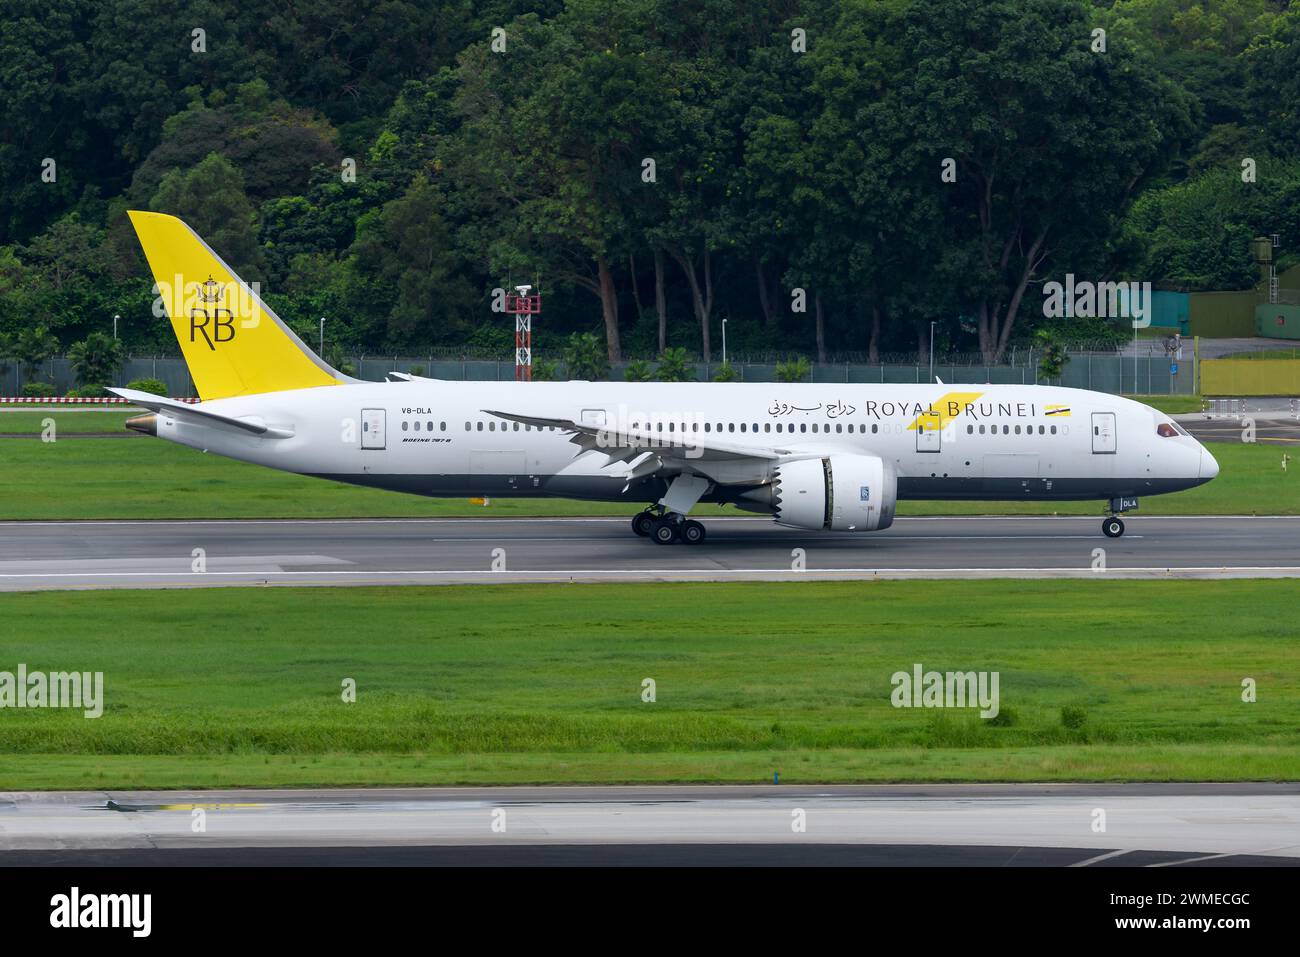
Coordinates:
726	373
638	370
545	371
585	357
1005	718
152	386
38	390
797	371
92	391
1073	717
675	366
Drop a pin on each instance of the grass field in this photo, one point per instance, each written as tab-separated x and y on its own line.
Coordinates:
1170	404
66	421
541	684
144	479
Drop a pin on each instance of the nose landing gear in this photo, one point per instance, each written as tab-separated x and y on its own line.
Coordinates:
1113	527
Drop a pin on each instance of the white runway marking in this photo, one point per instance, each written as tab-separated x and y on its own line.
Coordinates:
713	573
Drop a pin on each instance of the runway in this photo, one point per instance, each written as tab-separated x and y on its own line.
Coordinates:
188	554
1008	824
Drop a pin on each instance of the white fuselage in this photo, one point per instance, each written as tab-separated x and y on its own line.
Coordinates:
432	437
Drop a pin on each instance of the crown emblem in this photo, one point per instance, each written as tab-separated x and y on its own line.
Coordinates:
210	291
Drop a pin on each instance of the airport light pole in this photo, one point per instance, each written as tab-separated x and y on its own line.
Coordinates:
724	342
115	318
322	337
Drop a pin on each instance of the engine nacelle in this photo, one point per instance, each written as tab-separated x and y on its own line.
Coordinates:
841	493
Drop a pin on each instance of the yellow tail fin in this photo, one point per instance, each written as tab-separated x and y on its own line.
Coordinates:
233	343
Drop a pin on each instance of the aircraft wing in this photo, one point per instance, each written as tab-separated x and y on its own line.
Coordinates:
668	453
676	444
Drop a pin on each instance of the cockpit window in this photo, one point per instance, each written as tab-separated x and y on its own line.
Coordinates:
1167	429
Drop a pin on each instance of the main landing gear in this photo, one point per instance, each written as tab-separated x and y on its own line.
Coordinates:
666	527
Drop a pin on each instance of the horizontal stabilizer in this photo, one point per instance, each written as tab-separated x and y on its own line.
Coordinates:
181	410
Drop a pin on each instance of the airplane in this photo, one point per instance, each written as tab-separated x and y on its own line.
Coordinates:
820	456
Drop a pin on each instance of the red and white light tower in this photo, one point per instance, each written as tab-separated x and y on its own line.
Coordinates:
523	307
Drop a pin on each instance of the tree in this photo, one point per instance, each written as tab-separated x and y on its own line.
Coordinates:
585	358
1047	140
97	358
210	197
30	347
404	258
555	134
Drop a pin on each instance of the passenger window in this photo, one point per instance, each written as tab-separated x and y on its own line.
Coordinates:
742	426
767	426
479	427
803	427
970	430
405	425
838	427
442	426
707	426
814	426
1053	430
731	426
874	428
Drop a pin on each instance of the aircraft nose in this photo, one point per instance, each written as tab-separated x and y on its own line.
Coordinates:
1209	464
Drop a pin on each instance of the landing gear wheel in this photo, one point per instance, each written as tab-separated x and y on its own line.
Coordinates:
643	523
692	532
1112	527
665	531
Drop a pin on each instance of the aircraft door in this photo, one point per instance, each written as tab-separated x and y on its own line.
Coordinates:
372	428
1103	433
929	433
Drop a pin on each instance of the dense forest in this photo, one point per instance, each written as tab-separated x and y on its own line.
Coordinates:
828	175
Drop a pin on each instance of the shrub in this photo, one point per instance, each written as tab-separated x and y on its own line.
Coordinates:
152	386
91	391
638	370
1073	717
675	366
545	371
796	371
1005	718
726	373
38	390
585	357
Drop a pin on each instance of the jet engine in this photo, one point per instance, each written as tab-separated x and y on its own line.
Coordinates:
841	493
